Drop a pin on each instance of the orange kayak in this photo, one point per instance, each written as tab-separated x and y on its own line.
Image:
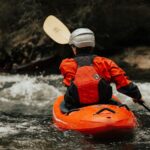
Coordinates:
96	119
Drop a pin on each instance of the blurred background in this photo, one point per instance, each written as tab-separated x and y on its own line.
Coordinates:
122	30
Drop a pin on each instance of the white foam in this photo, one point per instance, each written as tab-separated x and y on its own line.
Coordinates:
7	130
29	91
11	78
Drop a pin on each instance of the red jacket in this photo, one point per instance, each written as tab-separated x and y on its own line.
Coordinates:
104	67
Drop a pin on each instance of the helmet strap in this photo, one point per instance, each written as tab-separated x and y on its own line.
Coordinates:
74	50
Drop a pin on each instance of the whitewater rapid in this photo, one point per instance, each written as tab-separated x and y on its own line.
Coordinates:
26	111
41	91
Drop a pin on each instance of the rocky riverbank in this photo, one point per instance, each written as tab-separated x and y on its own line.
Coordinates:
136	62
120	27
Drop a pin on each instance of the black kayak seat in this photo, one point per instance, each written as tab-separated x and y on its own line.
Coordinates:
63	107
65	110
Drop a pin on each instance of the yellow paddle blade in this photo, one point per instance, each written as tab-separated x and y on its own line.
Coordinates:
56	30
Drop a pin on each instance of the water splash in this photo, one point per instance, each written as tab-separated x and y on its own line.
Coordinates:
27	94
145	90
25	116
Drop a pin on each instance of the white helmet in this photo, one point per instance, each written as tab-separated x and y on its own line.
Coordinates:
82	37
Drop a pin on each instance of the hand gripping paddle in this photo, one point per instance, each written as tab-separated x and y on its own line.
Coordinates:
56	30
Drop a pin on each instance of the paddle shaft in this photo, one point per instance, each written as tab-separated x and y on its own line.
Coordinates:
145	107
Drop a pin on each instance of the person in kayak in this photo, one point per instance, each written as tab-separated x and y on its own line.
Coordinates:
88	76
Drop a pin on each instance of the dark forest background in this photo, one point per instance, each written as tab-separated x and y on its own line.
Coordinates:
122	30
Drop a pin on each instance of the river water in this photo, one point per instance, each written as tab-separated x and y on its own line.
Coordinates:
26	117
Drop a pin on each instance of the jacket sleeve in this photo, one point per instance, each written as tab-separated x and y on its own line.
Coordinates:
118	76
124	85
131	90
68	68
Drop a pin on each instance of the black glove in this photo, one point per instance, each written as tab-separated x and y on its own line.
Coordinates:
140	101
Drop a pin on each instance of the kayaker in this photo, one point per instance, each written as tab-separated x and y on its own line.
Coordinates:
88	76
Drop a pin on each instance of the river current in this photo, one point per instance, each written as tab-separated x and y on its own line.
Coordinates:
26	117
